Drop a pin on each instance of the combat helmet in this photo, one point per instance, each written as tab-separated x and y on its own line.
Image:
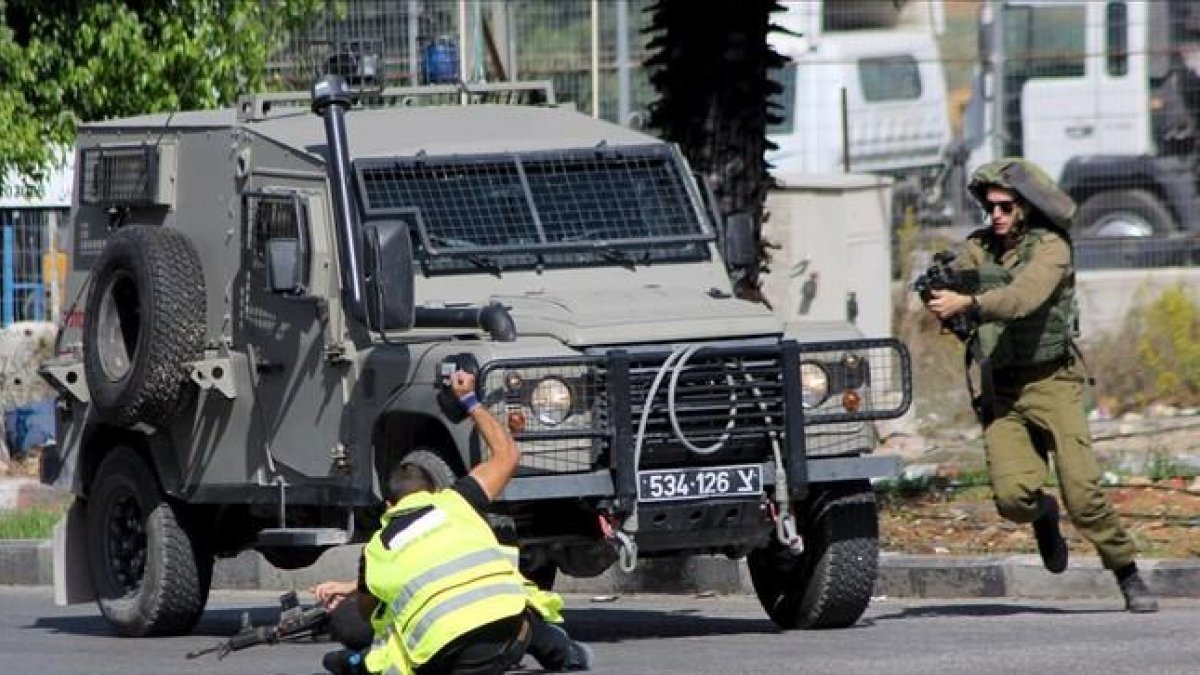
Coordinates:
1030	182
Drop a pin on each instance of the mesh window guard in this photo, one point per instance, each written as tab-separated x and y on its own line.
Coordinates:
535	200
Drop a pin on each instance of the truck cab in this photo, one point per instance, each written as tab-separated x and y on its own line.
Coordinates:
276	293
863	91
1102	95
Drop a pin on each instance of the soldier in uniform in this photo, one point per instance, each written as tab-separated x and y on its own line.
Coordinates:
442	595
1031	404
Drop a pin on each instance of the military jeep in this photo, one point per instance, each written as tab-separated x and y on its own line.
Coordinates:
270	299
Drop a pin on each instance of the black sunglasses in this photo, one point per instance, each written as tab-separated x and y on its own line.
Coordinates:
1006	206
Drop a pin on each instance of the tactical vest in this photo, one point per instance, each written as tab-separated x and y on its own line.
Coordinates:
440	576
1044	335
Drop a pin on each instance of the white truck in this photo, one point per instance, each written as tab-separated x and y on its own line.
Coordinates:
864	91
1101	95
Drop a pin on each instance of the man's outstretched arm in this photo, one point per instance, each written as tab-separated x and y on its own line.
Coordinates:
494	472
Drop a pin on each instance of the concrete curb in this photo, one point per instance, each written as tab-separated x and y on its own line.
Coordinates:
24	493
29	562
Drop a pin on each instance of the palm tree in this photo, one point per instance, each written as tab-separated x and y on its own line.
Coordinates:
710	66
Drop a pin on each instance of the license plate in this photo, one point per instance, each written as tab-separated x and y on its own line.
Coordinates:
661	485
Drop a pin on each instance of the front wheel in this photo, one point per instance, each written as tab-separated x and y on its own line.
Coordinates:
149	574
828	585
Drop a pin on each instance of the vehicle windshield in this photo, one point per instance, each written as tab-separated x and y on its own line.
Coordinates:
600	205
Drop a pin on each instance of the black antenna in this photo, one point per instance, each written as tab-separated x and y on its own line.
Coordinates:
187	85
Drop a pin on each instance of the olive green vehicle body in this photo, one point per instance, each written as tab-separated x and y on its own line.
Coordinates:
297	406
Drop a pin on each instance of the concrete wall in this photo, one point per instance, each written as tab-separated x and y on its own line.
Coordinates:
833	236
1106	297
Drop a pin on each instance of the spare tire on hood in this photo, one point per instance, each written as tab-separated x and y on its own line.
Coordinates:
144	322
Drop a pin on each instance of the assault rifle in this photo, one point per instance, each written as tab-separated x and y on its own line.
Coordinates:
295	623
941	276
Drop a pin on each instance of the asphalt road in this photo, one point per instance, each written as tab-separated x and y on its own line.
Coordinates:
671	634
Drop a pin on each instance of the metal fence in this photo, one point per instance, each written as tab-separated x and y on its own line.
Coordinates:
593	52
1105	96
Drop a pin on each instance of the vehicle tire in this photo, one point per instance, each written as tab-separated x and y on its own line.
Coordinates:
150	576
1124	213
144	321
431	460
828	585
540	570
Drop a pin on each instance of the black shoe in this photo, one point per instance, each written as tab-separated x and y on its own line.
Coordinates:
1050	542
580	657
344	662
1138	597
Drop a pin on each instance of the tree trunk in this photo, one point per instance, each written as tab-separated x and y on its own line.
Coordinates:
710	66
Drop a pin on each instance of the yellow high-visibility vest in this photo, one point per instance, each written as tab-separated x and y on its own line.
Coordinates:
441	576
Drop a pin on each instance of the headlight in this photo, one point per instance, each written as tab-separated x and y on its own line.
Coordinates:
551	401
814	382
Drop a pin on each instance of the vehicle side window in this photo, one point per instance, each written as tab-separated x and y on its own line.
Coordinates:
1116	43
889	78
272	216
783	103
1049	41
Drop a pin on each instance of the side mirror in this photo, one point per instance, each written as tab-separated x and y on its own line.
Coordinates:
285	267
741	244
388	265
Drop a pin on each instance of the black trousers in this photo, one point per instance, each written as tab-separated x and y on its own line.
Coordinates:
488	650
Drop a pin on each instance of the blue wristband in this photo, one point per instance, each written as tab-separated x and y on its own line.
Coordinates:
469	401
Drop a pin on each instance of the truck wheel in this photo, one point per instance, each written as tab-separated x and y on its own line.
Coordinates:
1124	213
150	576
144	322
543	577
430	460
828	585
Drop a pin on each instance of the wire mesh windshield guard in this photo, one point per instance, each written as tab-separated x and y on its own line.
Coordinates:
595	198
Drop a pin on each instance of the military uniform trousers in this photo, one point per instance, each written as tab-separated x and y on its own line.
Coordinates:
1038	414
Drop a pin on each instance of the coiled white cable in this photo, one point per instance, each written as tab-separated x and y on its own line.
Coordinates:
671	414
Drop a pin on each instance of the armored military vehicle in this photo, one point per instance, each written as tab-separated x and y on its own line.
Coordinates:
271	298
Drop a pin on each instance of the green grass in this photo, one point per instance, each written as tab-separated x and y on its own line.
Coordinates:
29	523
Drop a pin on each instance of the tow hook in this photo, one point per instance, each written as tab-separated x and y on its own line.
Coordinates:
627	553
785	529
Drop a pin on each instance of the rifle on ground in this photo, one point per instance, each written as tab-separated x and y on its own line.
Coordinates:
295	623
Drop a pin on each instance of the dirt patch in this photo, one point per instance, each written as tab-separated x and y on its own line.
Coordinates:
1162	517
25	467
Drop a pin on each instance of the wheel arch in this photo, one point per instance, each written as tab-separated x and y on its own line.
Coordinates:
99	442
399	432
1166	179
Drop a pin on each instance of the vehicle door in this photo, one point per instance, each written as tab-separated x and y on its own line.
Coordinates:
1051	82
298	384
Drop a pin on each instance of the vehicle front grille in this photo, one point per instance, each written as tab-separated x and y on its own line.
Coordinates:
727	405
728	402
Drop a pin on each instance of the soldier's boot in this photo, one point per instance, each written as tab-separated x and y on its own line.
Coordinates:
1050	542
1138	596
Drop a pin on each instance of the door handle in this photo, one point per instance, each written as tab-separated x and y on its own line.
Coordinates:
1080	131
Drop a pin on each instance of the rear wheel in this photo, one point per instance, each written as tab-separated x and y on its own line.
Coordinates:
1124	213
828	585
150	576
